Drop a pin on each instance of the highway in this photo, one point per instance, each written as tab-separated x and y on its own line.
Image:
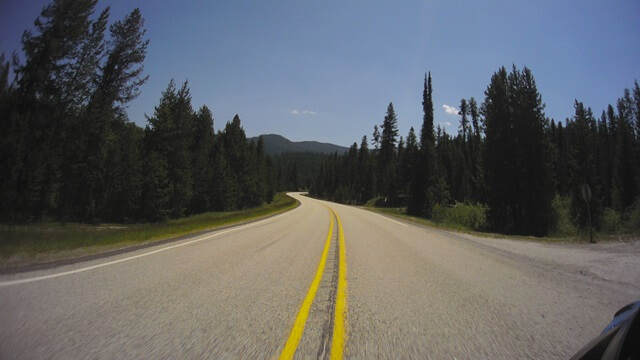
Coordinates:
322	281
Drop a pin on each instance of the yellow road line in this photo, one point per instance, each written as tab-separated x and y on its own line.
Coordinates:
298	327
339	327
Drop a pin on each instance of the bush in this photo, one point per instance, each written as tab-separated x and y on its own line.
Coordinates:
470	216
561	222
632	217
611	221
439	214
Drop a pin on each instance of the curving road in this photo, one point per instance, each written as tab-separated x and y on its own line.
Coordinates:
409	292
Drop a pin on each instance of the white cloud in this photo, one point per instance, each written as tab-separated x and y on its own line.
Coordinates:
301	112
450	110
447	123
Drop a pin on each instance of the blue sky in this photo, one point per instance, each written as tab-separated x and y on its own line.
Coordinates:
326	70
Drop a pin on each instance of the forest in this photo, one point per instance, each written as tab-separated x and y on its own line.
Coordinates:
68	152
509	168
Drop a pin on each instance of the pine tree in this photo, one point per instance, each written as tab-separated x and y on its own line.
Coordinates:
202	138
412	172
376	137
582	146
168	137
124	179
387	158
624	161
364	181
427	173
463	143
517	155
225	188
52	52
121	76
464	121
50	56
155	196
265	191
475	154
78	80
603	161
89	173
499	147
238	157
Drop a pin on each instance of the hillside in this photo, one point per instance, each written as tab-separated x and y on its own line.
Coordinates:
276	144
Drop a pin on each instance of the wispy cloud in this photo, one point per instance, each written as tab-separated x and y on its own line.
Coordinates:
447	123
301	112
450	110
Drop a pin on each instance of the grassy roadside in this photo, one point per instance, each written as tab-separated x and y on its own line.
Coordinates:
45	242
400	213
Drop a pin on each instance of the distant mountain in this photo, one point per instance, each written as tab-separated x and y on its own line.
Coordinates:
277	144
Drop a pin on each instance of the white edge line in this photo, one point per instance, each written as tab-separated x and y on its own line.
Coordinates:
51	276
386	218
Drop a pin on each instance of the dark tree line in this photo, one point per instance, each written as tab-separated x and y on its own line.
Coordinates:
69	152
506	155
295	171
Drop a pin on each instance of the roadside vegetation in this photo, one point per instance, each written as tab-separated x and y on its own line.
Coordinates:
70	153
509	169
472	219
49	241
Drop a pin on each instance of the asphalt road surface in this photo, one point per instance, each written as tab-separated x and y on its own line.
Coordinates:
292	285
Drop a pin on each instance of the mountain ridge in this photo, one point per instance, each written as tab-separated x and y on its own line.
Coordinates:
275	144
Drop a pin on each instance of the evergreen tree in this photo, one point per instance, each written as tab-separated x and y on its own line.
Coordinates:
121	76
603	161
517	154
475	154
582	144
155	196
624	162
88	174
463	143
499	147
364	180
68	149
50	56
237	153
168	137
562	175
387	156
475	117
464	121
411	164
263	173
202	138
79	78
225	188
376	137
123	184
425	197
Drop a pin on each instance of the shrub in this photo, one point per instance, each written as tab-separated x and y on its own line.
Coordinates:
632	217
561	222
439	214
611	221
470	216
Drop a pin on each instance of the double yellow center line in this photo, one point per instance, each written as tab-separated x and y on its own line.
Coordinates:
340	309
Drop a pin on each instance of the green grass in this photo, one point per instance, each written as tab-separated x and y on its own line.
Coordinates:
580	237
401	213
20	244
